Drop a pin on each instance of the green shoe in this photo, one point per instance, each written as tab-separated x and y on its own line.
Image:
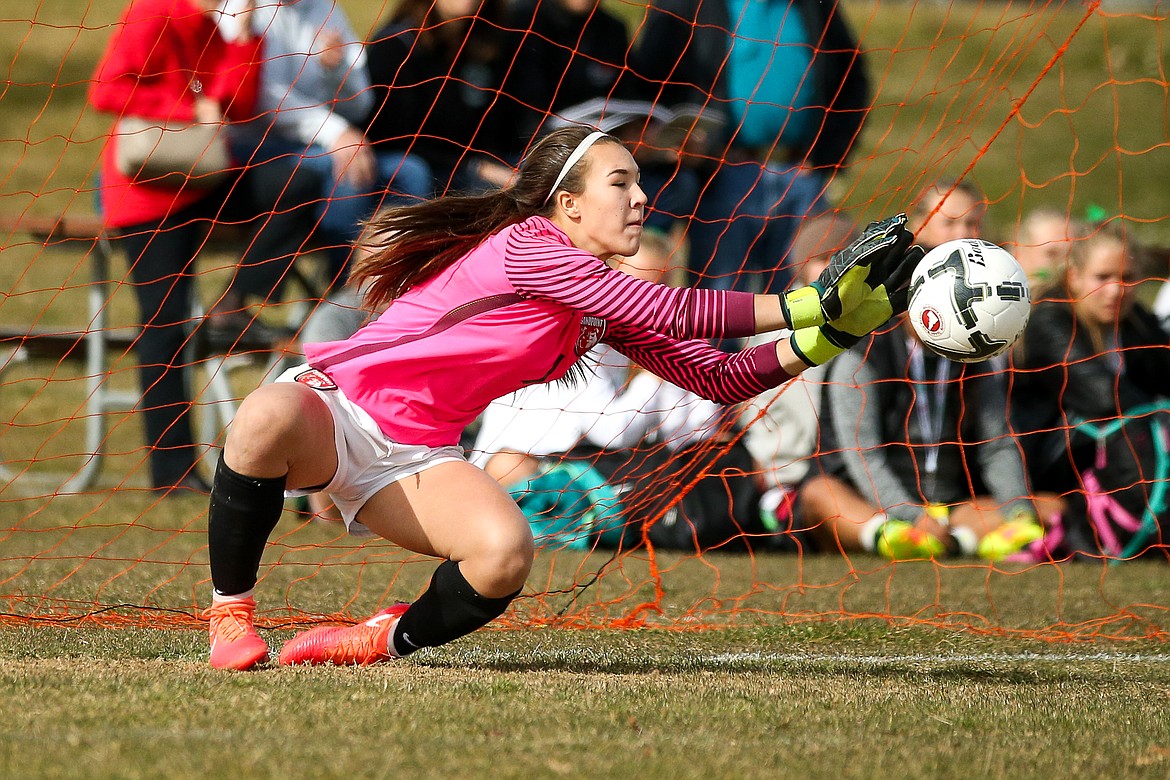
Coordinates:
899	540
1009	539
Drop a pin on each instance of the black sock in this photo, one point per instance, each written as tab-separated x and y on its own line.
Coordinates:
449	609
244	510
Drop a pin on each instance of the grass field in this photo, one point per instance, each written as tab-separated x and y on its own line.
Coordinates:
818	667
772	666
806	702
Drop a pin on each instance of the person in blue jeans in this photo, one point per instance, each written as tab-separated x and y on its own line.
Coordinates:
786	83
745	219
314	99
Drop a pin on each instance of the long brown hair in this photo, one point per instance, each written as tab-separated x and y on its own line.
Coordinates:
1060	292
1107	234
409	244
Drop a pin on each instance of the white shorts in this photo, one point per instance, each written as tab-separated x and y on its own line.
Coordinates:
367	461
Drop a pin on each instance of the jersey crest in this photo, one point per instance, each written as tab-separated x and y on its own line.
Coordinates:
592	331
318	380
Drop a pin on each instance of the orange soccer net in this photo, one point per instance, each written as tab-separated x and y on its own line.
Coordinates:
1038	108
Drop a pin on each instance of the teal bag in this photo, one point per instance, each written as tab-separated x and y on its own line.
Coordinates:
569	505
1122	465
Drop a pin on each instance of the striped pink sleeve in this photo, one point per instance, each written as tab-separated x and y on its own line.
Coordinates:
542	264
716	375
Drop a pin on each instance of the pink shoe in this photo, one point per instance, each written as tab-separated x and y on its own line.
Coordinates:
234	641
365	643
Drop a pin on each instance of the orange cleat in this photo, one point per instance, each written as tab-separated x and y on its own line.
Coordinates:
234	641
363	644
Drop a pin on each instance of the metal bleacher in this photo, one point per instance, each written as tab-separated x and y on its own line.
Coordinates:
96	340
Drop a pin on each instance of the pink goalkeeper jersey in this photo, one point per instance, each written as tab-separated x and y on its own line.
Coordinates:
521	308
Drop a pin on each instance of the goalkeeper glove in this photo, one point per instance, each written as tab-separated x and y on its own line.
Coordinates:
850	276
817	345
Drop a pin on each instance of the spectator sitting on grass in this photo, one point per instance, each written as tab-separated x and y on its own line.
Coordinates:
947	210
1092	353
782	424
641	435
897	423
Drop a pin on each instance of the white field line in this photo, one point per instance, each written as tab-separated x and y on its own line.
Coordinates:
929	658
716	660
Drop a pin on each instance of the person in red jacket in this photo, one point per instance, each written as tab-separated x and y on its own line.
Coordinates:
167	62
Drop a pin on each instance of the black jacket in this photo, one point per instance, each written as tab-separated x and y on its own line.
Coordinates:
447	106
1060	377
564	59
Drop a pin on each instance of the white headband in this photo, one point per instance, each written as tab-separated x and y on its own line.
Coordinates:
575	158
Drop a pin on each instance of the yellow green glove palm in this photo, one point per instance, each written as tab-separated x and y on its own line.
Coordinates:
850	277
816	345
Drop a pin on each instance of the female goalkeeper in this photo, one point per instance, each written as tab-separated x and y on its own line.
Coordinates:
485	294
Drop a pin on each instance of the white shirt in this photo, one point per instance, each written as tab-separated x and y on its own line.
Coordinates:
611	410
783	427
302	99
1162	305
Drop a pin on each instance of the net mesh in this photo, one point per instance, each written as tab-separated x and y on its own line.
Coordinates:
1042	104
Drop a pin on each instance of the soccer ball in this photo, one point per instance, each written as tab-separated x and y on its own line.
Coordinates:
969	300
